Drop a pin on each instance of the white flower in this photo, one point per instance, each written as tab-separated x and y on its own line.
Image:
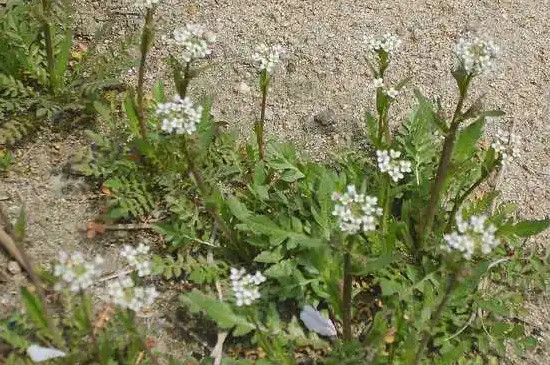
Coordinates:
123	293
137	258
147	4
507	145
179	116
245	286
267	58
75	273
388	162
473	236
388	43
378	83
193	42
315	322
356	212
476	55
391	92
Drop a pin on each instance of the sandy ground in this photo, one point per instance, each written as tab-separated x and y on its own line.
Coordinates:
325	70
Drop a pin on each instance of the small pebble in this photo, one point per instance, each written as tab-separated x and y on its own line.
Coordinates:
14	268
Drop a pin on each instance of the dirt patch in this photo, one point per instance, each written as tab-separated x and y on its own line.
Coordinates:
325	70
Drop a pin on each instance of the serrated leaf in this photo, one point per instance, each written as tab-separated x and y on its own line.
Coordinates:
33	307
238	209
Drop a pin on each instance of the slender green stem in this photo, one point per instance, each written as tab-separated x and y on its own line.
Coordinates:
436	317
386	205
48	39
146	39
205	191
259	125
346	295
458	202
426	223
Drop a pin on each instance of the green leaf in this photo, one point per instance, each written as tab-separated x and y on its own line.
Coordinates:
62	58
467	140
33	307
221	312
238	209
372	127
525	228
131	113
374	265
270	257
158	92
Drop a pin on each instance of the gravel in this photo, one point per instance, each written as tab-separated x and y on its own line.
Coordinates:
325	73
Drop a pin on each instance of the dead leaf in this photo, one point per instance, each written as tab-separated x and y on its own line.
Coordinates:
389	336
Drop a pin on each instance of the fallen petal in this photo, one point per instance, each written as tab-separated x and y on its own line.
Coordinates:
315	322
40	354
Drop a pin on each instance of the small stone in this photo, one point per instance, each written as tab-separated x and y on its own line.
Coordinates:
325	118
14	268
241	88
269	114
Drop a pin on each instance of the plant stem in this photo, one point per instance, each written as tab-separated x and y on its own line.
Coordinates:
387	205
146	39
462	198
346	295
451	285
426	223
205	191
259	125
48	39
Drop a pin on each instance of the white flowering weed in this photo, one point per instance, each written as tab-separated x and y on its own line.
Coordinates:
389	162
267	58
193	42
124	293
472	236
179	116
75	272
137	258
356	212
391	92
378	82
245	286
507	146
476	55
387	43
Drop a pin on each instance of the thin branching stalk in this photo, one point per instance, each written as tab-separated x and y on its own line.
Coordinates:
205	191
460	199
436	317
259	125
146	40
346	295
426	223
48	40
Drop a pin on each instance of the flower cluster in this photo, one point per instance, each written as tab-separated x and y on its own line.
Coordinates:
388	162
75	272
388	43
507	145
245	286
356	212
267	58
124	293
179	116
476	55
147	4
138	258
471	236
193	41
390	91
